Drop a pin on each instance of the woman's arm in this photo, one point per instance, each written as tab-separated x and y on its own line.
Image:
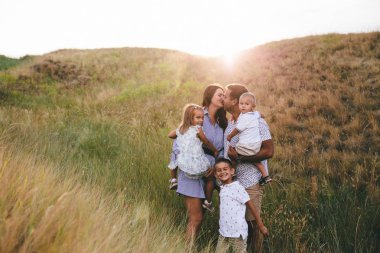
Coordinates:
172	134
205	141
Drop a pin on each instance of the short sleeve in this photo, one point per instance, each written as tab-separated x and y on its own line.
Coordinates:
264	130
197	128
242	195
242	122
175	148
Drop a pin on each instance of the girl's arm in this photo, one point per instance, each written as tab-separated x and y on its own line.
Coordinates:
205	141
232	134
172	134
260	224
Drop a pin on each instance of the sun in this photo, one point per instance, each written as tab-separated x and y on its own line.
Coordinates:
230	58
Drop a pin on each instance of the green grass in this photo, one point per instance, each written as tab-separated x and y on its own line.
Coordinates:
6	63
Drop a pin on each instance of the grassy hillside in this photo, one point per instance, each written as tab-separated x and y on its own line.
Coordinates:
99	118
7	63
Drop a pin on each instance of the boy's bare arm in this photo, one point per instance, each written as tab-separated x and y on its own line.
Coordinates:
260	224
232	134
172	134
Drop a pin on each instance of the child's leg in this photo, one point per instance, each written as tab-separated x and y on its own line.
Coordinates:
260	166
173	180
222	246
209	188
173	173
265	178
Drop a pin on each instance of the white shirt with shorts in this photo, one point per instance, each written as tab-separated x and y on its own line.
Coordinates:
232	221
249	134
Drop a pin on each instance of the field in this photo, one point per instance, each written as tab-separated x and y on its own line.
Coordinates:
83	146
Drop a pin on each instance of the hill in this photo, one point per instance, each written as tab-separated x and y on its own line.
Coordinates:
94	114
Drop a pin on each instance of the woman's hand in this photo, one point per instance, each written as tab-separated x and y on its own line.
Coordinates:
216	154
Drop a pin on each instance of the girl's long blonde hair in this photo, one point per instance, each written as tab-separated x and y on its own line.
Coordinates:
187	116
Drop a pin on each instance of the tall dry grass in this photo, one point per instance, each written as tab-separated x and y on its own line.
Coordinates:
42	211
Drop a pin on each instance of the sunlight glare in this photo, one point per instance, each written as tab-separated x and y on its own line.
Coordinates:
230	58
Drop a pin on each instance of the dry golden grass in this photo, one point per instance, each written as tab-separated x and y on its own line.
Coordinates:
43	212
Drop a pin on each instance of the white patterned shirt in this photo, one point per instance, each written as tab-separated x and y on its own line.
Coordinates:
246	173
232	221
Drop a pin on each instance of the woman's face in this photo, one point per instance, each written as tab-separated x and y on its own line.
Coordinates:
217	99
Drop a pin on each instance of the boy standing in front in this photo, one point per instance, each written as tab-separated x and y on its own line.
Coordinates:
233	228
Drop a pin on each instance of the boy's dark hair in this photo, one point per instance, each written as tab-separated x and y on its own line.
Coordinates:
223	160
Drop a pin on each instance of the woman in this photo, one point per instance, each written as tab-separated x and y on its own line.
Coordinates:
192	190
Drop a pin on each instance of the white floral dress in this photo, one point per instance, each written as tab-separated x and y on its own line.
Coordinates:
191	158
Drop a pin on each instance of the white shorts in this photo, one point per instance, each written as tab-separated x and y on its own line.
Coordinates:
248	149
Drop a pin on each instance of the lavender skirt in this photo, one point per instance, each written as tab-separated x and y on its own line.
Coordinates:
190	187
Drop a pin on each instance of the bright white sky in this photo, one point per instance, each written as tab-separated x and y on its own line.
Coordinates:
203	27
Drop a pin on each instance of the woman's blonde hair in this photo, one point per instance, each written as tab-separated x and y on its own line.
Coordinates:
187	116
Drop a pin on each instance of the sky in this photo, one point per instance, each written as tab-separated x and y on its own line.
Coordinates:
200	27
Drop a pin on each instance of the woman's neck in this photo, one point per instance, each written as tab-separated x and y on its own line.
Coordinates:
212	113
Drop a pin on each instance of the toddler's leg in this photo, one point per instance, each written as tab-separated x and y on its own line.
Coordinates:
265	178
173	173
209	188
173	180
260	166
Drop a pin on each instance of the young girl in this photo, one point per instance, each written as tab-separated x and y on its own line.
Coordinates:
248	129
189	136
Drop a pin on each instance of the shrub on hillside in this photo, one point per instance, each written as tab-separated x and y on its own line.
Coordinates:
59	71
